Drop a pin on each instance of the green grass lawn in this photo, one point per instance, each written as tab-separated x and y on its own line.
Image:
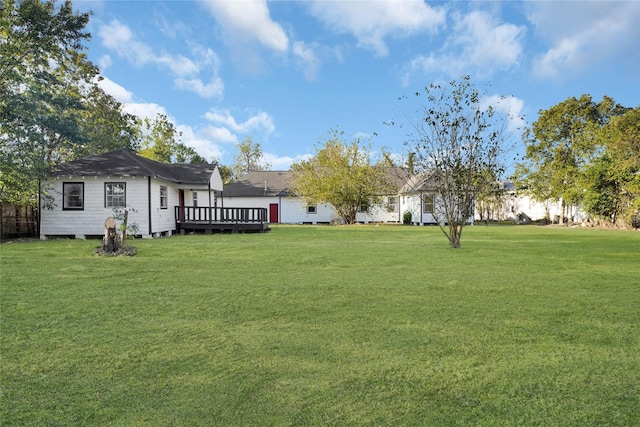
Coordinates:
307	325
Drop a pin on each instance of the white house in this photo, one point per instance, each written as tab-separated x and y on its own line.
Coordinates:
270	190
512	205
418	197
82	194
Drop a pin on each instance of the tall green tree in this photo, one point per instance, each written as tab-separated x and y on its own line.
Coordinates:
105	125
343	175
459	145
161	142
560	144
40	70
249	158
611	182
51	109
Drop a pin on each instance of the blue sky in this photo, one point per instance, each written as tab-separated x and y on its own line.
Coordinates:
285	73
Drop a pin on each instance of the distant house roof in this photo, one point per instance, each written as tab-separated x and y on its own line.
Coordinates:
418	183
125	163
260	184
398	177
277	183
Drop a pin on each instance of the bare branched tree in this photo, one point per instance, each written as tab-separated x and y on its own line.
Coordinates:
459	145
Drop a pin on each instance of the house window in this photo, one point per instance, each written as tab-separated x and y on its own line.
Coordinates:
311	209
73	195
392	204
427	204
195	199
114	194
363	207
163	197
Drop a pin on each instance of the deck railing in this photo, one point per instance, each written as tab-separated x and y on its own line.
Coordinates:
211	215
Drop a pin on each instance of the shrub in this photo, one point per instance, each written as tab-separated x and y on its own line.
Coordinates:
406	218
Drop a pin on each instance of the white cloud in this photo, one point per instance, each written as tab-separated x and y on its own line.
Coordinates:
283	162
370	22
203	146
247	21
511	107
178	64
121	94
104	62
142	110
307	60
479	42
259	122
220	134
213	89
582	34
120	39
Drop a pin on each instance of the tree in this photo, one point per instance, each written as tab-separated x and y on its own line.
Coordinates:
459	146
106	126
226	173
39	97
160	143
249	158
51	109
611	183
341	174
560	144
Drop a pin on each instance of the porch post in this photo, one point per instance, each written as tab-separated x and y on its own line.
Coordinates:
210	207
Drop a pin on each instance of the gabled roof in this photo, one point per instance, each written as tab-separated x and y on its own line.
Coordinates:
418	183
260	184
398	178
125	163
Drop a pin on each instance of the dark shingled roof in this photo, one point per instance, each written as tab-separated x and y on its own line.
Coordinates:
260	184
125	163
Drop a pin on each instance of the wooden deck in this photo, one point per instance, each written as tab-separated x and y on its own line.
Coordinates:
221	220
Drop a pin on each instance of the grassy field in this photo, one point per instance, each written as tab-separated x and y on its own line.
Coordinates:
309	325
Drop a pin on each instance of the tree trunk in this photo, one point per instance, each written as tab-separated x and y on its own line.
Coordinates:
124	228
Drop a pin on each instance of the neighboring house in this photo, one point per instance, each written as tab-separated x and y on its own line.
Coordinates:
270	190
418	197
390	209
82	194
512	205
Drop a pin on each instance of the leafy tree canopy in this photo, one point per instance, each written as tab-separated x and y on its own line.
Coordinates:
51	109
584	152
249	158
343	175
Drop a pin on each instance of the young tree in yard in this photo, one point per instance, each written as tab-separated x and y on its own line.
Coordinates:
459	145
341	174
249	158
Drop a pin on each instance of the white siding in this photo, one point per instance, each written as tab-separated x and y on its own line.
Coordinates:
90	221
162	220
248	202
413	203
294	211
381	213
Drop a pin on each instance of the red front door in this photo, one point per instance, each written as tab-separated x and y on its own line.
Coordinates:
273	213
181	204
